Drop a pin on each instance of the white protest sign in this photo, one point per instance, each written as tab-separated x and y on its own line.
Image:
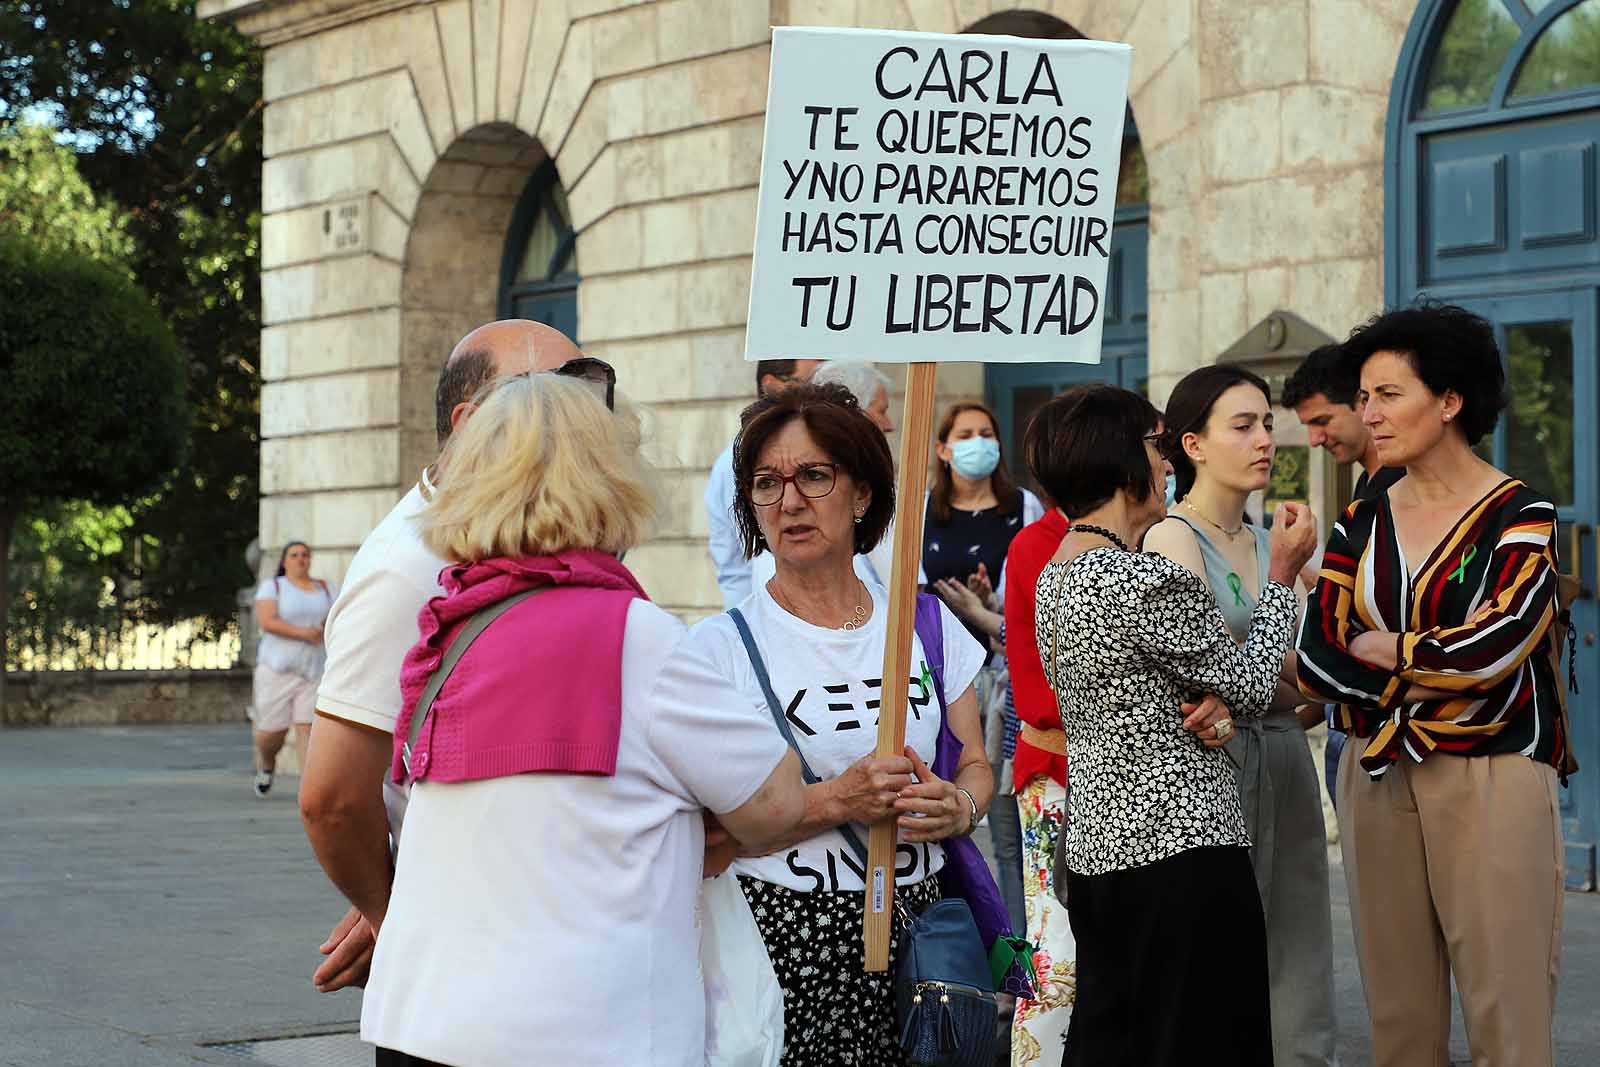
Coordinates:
932	197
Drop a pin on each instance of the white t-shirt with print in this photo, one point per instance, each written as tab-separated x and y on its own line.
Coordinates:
297	608
550	918
827	682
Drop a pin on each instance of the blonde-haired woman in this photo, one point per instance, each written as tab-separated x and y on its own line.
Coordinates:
555	836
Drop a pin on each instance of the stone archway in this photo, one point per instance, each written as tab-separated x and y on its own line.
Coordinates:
451	275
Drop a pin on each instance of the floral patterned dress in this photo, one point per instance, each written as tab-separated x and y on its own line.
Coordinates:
1039	1027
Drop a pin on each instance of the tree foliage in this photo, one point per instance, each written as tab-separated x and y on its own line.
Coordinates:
163	114
44	198
92	399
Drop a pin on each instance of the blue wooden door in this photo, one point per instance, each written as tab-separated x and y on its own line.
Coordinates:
1016	390
1548	438
1492	202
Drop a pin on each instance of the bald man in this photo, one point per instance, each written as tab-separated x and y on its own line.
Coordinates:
346	800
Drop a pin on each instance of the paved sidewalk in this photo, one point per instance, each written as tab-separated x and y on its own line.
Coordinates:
150	902
152	909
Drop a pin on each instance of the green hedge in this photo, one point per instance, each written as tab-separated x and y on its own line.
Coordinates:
92	402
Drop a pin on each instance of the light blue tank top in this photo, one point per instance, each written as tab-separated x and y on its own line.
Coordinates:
1238	604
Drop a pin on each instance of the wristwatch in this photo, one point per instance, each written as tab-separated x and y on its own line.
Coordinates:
973	825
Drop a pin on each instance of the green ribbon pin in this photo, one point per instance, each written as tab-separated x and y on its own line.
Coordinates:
1460	573
1007	951
927	678
1237	585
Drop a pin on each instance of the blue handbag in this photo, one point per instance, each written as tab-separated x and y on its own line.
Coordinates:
944	986
944	993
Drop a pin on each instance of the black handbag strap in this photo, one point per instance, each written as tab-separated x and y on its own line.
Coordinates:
469	633
850	836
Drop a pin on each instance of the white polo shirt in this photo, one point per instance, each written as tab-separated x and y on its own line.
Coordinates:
373	624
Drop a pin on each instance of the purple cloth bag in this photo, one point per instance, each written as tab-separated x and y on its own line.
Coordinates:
965	873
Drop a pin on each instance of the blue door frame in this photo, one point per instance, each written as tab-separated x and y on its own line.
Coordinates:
1015	390
1494	207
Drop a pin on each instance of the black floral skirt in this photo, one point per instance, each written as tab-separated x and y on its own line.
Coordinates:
835	1014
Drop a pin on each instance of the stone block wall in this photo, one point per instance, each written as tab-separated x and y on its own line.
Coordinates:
1261	121
123	698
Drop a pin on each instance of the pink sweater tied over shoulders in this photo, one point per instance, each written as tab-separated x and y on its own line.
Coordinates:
540	689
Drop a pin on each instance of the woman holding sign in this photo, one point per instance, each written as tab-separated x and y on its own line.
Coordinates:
816	486
1172	956
1219	441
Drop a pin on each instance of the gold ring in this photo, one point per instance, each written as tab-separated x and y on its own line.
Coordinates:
1222	729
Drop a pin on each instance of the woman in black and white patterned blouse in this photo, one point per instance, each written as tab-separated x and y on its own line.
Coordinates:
1172	959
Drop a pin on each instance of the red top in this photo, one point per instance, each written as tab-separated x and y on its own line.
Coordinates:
1030	550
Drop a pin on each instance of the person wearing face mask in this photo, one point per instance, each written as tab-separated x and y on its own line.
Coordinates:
974	508
1219	441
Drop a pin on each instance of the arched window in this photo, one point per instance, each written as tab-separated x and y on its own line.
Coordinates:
539	268
1491	203
1015	390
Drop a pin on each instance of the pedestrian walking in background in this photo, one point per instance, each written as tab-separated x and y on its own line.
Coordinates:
1433	626
290	608
1219	441
578	711
1322	393
816	487
1172	959
727	550
350	810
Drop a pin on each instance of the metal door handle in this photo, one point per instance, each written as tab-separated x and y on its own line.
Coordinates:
1576	532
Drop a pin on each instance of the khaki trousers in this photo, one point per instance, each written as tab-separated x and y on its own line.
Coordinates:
1454	866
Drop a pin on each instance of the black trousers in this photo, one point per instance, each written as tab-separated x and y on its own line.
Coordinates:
1172	964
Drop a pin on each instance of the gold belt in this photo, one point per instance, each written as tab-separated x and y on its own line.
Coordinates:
1045	740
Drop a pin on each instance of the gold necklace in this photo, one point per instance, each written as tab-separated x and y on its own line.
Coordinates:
857	619
1235	532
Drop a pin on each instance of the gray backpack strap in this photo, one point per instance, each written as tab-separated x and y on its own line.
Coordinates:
851	838
458	647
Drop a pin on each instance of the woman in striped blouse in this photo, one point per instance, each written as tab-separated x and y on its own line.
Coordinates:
1431	626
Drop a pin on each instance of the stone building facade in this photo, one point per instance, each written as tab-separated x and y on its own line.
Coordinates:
433	164
401	136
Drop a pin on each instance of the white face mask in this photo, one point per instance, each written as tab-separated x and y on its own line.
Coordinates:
975	457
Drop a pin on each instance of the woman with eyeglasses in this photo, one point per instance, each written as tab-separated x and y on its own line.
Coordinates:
816	487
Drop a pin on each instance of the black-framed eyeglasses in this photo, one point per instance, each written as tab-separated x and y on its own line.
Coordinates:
1154	438
597	372
813	480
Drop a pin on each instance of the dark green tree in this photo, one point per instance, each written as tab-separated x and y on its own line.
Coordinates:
92	403
163	112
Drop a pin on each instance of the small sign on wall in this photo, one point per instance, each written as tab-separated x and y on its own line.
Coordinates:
344	227
927	197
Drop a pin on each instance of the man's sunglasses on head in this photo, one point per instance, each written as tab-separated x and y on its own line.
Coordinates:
597	372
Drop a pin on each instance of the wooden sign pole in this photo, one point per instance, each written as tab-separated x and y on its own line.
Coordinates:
917	428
